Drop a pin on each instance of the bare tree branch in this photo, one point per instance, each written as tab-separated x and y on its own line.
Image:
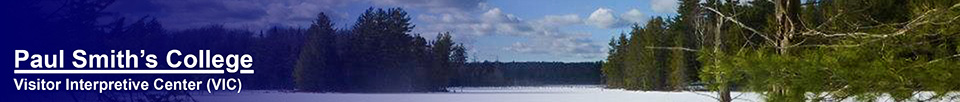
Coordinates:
740	24
938	60
673	48
841	45
829	20
908	26
739	98
705	95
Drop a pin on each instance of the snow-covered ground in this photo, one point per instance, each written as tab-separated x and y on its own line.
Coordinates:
564	93
561	93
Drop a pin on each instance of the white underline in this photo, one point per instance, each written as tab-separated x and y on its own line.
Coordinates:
212	71
246	71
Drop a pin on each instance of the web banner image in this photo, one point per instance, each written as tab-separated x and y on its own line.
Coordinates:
480	50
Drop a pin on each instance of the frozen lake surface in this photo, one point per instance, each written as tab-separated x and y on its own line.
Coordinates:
563	93
559	93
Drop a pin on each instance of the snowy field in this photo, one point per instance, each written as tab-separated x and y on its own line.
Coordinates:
566	93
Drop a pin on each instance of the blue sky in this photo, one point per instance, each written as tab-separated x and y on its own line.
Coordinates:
504	30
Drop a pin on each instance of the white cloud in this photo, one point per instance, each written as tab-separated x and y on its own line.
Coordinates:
560	20
496	15
572	45
604	18
544	35
522	48
634	16
664	6
249	14
435	6
466	19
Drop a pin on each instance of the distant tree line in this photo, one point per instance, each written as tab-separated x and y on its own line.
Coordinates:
528	74
378	54
48	26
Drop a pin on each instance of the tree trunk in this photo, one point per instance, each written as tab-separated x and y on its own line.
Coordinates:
787	16
788	20
725	95
724	92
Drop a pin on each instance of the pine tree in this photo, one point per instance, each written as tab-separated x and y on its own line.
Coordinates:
658	70
677	64
442	53
314	67
458	61
612	69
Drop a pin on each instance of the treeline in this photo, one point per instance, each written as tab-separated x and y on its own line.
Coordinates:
656	56
528	73
378	54
787	49
83	24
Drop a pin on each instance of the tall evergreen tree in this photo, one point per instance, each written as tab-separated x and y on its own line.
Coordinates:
612	69
315	70
442	50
